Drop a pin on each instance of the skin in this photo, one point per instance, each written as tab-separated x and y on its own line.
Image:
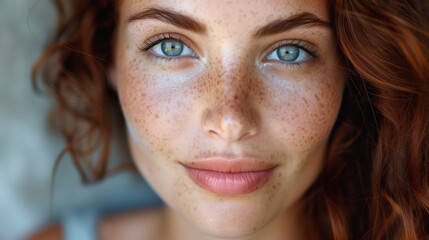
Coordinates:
228	100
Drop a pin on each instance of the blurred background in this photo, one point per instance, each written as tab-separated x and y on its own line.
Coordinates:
28	148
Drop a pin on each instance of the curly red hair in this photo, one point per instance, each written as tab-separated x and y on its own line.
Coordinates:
375	181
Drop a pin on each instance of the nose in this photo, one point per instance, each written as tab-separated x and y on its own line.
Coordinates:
231	116
230	122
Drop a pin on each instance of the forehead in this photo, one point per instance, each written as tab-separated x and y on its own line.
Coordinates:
231	12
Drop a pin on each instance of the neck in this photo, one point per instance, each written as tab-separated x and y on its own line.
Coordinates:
285	226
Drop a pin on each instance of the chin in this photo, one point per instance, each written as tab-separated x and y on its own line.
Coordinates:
230	219
228	231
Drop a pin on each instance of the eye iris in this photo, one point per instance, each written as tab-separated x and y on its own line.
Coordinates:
172	48
288	53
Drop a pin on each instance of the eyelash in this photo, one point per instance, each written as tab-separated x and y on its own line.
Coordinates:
151	42
305	46
309	48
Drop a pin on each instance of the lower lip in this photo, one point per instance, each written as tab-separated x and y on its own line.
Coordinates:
229	183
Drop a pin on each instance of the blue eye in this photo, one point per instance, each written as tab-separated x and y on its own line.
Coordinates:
171	48
289	53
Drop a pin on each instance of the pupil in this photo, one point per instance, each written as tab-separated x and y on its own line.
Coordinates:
288	53
172	48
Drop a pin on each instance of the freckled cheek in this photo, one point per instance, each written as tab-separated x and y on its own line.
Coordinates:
308	113
322	113
153	112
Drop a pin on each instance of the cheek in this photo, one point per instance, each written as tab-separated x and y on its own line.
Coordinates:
152	109
306	113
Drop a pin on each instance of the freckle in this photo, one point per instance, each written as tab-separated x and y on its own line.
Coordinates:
305	100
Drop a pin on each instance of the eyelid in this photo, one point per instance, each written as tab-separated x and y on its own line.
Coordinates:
152	41
310	48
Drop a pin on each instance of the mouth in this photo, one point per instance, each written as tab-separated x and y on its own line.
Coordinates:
232	177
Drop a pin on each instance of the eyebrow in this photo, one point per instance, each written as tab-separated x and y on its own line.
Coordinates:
171	17
294	21
188	23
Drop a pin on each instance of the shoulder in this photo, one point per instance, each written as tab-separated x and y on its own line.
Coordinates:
51	232
124	225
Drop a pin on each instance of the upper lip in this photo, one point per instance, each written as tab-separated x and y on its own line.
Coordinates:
230	164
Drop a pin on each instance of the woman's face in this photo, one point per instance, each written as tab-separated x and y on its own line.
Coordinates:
228	86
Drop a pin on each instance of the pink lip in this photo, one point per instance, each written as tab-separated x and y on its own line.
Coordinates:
229	176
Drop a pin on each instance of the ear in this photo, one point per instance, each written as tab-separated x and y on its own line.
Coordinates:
112	78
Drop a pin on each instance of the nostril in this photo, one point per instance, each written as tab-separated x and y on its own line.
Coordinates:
245	136
213	133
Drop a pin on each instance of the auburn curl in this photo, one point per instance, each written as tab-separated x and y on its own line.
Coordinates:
375	181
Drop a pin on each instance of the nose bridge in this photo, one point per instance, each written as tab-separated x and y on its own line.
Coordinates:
234	85
234	76
231	116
